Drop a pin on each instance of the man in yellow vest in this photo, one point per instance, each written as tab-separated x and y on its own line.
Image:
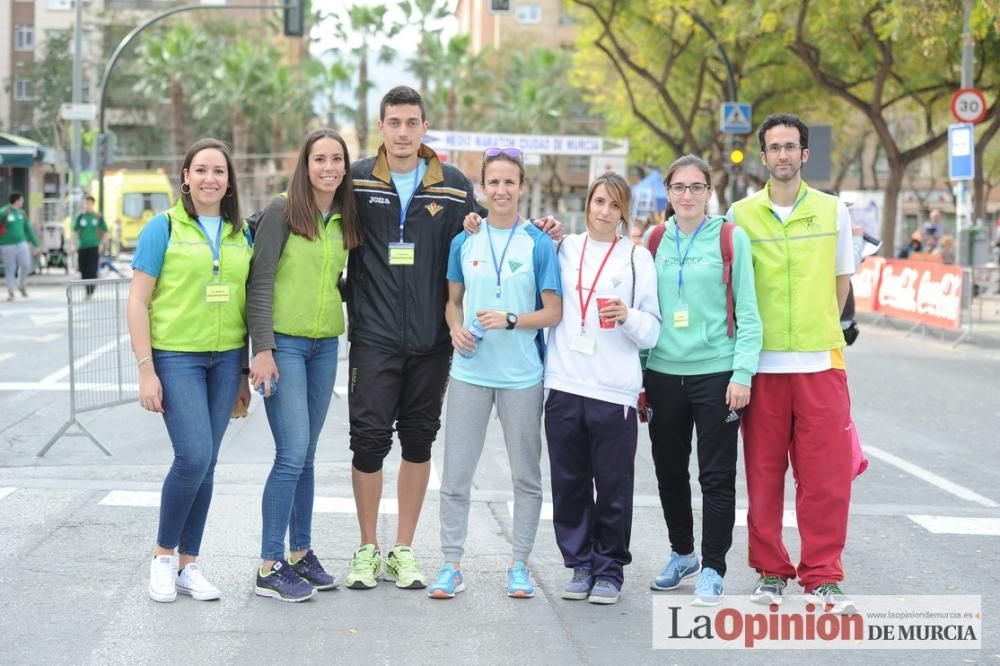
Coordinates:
800	411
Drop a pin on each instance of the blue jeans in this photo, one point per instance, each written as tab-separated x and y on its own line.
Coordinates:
199	390
307	368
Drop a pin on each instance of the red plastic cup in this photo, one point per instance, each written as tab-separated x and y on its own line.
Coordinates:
603	302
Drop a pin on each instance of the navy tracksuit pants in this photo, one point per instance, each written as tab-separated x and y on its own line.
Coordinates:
592	444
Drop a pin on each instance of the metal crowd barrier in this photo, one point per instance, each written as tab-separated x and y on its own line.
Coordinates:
102	370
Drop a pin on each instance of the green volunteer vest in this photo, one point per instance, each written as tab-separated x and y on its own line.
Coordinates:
794	265
179	317
306	299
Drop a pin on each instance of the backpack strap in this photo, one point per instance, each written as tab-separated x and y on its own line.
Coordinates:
631	259
726	243
655	237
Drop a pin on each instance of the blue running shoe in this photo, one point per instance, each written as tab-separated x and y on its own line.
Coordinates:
579	588
708	589
677	569
519	583
283	584
449	583
604	592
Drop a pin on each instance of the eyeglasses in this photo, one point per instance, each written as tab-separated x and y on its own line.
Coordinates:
776	148
512	153
678	189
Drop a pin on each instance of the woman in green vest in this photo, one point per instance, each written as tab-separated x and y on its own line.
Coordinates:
295	315
187	319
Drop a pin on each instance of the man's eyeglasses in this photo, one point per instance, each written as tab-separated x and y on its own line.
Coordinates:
512	153
677	189
776	148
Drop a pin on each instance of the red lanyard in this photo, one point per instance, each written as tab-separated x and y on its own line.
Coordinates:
579	288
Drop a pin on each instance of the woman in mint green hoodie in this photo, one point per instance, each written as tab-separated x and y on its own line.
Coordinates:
698	374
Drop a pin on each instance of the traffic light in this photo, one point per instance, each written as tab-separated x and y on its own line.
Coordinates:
736	156
295	18
105	145
500	6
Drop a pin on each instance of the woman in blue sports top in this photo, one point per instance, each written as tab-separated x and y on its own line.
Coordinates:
503	289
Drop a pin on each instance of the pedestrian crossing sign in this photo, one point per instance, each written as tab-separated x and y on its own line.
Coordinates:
736	118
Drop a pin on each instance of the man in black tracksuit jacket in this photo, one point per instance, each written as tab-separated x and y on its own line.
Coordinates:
400	344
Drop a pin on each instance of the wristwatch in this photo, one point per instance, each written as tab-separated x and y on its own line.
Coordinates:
511	321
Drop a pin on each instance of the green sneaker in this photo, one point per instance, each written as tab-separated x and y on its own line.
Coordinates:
401	566
366	567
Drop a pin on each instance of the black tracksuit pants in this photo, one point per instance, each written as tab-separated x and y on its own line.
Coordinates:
679	404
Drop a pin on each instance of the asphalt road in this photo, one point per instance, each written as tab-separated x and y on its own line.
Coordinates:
76	528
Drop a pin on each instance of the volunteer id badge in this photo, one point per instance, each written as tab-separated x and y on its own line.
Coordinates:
581	343
401	254
217	293
681	316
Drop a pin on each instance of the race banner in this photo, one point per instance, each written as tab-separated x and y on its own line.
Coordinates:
920	291
865	283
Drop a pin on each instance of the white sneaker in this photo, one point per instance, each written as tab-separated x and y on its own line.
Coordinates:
192	582
163	578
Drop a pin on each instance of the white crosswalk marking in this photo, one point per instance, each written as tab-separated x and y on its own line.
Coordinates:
388	505
788	519
958	525
131	498
930	477
546	510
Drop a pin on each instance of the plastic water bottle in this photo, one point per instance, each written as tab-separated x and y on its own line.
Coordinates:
274	388
477	332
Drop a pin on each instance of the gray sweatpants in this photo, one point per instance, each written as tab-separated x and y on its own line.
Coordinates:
520	412
17	256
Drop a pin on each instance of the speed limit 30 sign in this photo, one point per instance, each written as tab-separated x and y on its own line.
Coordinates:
968	105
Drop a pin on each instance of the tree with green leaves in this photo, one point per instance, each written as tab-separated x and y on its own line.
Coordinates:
531	94
459	83
367	28
52	80
426	16
874	55
656	73
171	65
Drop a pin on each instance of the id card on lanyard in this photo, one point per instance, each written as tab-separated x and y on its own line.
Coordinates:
402	253
682	317
216	292
581	342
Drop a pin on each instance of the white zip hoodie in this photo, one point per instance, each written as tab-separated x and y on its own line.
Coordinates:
613	372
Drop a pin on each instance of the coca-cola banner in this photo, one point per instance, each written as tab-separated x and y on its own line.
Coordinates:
919	291
865	282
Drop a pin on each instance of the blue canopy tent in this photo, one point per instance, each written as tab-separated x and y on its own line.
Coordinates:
648	196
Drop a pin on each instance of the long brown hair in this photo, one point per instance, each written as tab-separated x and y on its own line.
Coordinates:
229	207
619	191
301	212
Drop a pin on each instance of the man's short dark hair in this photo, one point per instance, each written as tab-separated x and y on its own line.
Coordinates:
90	199
789	119
14	196
400	96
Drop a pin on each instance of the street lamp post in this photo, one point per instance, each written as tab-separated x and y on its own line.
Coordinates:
294	27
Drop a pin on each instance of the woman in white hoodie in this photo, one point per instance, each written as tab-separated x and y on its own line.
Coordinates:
593	377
